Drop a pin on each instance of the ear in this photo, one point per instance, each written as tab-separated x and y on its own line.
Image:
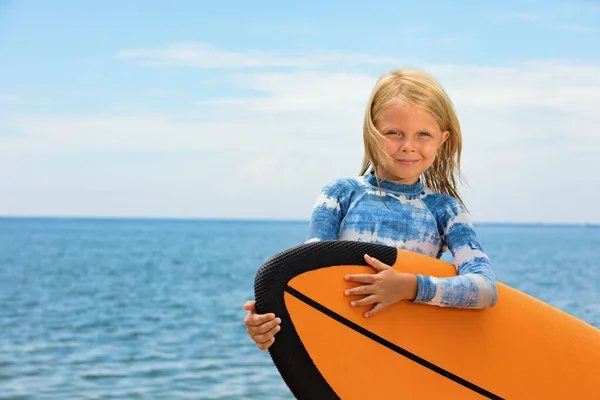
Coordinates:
445	136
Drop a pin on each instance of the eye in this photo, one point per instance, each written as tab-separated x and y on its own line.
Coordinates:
423	134
393	133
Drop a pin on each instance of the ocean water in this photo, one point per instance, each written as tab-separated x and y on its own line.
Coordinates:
152	309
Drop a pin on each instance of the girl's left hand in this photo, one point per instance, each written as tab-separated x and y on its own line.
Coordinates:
383	289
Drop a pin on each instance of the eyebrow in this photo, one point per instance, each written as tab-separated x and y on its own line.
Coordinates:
430	131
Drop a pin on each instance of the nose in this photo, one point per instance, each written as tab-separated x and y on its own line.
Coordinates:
406	145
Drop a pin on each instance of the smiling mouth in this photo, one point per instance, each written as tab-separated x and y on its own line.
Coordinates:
407	162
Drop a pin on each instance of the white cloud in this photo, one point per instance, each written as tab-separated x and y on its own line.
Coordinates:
94	133
297	111
535	100
530	140
556	85
203	55
301	92
261	169
7	97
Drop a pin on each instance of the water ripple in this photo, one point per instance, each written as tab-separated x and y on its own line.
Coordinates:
109	309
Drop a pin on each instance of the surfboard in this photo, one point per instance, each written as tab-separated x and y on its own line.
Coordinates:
521	348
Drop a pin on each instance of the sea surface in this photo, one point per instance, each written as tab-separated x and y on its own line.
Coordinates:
152	309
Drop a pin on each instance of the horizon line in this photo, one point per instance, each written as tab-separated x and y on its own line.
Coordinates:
262	220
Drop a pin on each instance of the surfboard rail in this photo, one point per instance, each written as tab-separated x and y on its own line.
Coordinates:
520	348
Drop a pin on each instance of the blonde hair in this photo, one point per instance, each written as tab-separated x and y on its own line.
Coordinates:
416	88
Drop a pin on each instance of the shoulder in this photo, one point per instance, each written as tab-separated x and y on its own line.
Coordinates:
343	186
337	194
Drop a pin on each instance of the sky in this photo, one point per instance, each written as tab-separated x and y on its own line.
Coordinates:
245	110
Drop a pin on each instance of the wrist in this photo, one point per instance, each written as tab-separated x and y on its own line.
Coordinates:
411	283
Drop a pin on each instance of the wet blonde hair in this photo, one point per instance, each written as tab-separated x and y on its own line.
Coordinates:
415	88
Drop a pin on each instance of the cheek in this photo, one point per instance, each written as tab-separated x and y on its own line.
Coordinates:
390	147
430	151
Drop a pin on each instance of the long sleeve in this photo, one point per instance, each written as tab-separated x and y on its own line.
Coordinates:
328	212
475	284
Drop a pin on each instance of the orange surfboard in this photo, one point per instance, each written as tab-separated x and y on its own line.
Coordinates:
521	348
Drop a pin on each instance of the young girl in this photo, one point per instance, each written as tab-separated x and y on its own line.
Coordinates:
405	197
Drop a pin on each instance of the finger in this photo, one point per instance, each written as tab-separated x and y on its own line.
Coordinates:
361	278
265	337
266	345
360	290
263	328
375	263
378	307
253	319
371	299
250	305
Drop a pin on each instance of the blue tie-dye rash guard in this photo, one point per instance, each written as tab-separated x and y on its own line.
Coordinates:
418	219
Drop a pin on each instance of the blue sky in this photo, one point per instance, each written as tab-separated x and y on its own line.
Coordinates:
244	110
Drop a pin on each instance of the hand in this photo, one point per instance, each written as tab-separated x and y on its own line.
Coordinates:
383	289
261	327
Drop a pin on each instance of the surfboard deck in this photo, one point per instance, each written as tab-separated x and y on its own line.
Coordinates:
522	348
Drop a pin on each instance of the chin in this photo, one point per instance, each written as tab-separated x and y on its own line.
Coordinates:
407	180
404	176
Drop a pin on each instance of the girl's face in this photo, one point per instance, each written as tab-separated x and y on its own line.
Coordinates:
412	139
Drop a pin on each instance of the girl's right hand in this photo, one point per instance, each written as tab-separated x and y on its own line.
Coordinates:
261	327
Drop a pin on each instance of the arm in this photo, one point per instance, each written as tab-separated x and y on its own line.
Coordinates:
325	222
475	284
328	212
